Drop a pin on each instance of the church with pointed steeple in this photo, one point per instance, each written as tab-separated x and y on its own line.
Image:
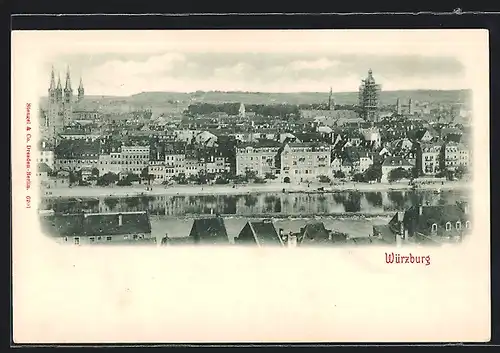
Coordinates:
61	102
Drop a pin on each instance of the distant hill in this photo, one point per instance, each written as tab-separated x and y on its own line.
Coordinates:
160	100
386	97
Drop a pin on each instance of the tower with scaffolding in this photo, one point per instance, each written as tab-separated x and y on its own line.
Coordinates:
369	95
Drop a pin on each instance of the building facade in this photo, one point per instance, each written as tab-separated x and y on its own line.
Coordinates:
455	155
259	158
430	154
303	162
134	159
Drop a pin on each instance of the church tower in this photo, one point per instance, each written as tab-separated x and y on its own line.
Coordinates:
52	88
68	100
68	91
81	91
54	116
59	91
331	102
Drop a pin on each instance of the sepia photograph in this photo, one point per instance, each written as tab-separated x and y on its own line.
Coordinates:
371	143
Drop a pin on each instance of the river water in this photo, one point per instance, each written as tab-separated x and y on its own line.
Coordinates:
351	212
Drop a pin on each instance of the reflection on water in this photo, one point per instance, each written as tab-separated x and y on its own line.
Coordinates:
259	204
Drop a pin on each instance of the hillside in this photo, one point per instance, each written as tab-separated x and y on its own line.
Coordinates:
179	101
387	97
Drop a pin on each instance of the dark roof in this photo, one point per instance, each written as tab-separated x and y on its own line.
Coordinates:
178	241
209	230
97	224
385	233
263	233
316	233
43	168
77	149
366	241
438	215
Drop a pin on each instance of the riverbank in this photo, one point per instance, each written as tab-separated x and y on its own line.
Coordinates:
193	190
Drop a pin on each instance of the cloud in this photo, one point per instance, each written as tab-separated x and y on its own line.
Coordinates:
120	74
320	64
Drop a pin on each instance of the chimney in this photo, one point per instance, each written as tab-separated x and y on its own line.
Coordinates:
120	220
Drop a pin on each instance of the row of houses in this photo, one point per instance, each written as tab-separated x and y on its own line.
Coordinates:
418	225
289	157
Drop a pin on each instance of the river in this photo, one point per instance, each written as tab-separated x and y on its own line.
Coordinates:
351	212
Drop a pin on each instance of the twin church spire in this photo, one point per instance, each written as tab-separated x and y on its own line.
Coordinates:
57	94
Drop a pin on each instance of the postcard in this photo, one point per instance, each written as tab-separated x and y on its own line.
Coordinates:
254	186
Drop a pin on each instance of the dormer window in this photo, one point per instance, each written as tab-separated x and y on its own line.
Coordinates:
434	227
458	225
448	226
467	224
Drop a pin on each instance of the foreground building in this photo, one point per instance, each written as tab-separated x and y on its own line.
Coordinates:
260	233
209	231
433	225
99	228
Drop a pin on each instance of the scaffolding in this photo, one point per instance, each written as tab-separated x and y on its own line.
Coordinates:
369	95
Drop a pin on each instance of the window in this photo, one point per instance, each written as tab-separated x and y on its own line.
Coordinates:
434	227
458	225
467	224
448	226
109	238
92	239
77	240
65	238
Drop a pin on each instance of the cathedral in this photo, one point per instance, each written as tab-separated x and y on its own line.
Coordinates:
60	105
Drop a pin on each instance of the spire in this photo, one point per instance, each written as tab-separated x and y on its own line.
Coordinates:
52	80
68	80
81	84
59	86
330	100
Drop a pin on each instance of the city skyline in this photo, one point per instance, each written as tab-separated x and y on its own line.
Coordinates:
405	61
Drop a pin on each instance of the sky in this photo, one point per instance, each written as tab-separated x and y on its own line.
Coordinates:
125	63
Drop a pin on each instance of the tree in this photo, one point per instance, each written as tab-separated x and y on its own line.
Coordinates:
358	178
133	177
150	178
398	174
415	172
73	178
107	179
270	176
373	173
124	182
240	179
250	174
259	180
144	173
95	172
339	174
324	179
460	171
180	179
221	180
192	178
